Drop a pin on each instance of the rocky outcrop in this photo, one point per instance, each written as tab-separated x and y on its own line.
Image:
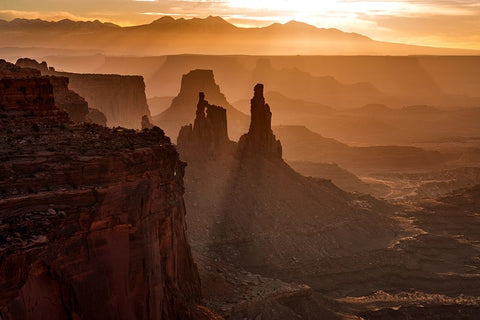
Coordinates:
92	219
68	100
208	137
24	93
96	116
260	138
182	109
33	64
65	99
146	124
120	98
9	70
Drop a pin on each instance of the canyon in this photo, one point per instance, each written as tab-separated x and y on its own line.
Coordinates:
240	216
92	219
283	224
256	225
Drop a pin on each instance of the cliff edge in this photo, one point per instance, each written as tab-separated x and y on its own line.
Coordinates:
92	219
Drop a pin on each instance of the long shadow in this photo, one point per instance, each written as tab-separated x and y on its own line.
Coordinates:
234	237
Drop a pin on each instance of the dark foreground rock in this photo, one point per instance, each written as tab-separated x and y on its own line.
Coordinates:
92	219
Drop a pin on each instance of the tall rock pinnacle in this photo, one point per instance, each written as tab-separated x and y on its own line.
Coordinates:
182	109
260	138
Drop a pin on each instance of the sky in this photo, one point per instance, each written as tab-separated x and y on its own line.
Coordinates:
439	23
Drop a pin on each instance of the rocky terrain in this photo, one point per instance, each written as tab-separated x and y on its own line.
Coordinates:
416	185
432	273
120	98
249	210
65	99
342	178
92	219
258	220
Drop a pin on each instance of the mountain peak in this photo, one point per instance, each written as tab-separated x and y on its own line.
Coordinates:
208	21
163	20
299	24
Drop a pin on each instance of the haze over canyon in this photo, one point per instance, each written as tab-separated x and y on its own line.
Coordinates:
195	169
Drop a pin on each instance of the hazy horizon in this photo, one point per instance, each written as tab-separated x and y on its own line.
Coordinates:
452	24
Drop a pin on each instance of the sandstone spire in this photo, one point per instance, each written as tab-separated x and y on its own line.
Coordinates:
208	136
260	138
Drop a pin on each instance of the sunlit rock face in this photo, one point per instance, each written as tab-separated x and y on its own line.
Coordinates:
92	219
208	137
260	138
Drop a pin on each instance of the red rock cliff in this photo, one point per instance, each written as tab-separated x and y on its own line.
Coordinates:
65	99
120	98
92	220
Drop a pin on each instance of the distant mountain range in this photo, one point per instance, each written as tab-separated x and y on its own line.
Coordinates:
212	35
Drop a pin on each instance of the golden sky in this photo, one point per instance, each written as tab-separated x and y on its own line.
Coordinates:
441	23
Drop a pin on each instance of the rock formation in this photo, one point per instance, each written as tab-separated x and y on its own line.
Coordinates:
146	124
9	70
182	110
65	99
260	138
68	100
121	98
92	219
96	116
23	92
208	136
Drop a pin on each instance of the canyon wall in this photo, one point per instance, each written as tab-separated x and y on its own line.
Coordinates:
120	98
65	99
92	219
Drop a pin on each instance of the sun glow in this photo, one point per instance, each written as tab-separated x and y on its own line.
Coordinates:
426	22
316	8
326	13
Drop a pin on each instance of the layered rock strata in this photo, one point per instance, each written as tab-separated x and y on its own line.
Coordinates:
92	220
65	99
120	98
